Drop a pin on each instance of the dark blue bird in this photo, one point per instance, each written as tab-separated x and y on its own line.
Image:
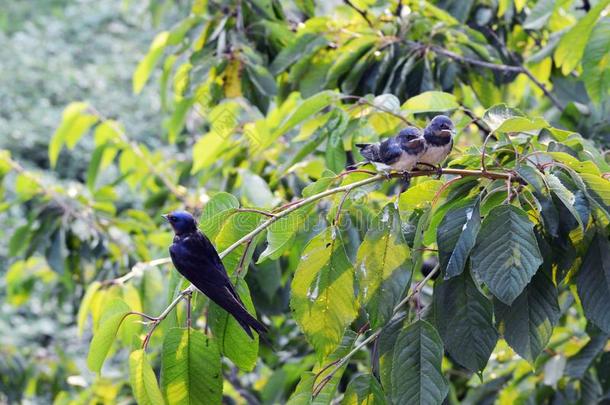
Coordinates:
197	260
400	152
439	141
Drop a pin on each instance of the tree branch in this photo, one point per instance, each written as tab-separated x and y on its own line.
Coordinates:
361	12
288	209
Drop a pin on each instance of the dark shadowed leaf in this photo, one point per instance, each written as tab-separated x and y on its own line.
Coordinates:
464	319
593	282
506	255
416	375
528	323
456	235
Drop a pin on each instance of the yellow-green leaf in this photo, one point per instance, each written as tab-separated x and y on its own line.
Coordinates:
430	101
143	380
105	335
146	65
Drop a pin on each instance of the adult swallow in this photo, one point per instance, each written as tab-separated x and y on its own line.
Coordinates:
439	141
399	153
197	260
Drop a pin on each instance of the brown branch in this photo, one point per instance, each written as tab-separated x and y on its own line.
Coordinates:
498	67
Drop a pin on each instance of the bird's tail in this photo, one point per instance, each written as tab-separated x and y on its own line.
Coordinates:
248	322
370	151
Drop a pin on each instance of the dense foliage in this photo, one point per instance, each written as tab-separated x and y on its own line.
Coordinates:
488	283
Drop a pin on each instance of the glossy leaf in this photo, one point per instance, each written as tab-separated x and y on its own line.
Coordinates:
147	64
456	235
596	60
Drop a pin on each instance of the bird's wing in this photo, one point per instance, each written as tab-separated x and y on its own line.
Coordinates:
389	151
414	146
370	151
197	260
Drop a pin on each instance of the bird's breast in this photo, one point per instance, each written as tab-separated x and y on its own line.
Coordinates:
405	162
435	154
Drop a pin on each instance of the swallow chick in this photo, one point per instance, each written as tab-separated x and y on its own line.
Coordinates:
197	260
439	141
400	153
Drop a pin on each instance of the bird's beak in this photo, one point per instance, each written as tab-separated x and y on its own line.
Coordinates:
164	216
448	132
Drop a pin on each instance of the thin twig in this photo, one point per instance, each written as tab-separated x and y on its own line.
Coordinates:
257	211
361	12
340	207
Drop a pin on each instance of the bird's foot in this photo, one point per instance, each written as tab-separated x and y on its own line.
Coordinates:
387	174
439	172
406	176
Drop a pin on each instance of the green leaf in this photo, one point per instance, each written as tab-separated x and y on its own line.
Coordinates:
143	380
191	368
304	46
19	240
596	62
593	282
567	198
215	213
383	270
522	124
235	227
147	64
112	317
335	153
224	120
386	343
497	114
527	324
464	318
261	79
506	255
571	47
304	110
323	293
281	233
364	389
255	190
85	304
231	338
430	101
419	195
74	123
599	190
416	375
347	57
456	235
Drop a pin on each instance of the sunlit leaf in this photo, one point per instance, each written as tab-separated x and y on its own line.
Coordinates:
323	298
593	282
143	380
147	64
191	368
114	314
430	101
383	270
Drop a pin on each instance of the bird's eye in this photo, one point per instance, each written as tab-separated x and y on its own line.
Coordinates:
171	218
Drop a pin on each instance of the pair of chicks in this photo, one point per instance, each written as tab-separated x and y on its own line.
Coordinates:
410	147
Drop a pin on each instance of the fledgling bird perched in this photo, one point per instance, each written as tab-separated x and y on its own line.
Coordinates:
439	141
197	260
399	153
